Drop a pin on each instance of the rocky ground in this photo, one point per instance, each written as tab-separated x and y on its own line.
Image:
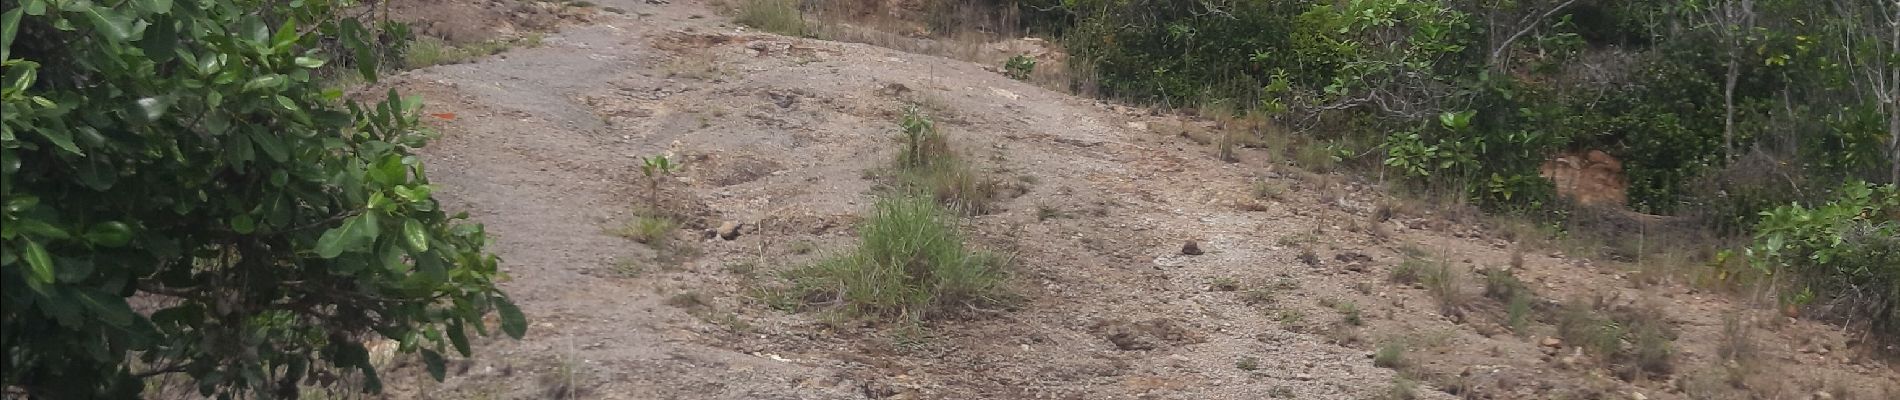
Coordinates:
1289	295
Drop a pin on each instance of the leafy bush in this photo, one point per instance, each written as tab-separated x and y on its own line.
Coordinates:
181	157
910	263
1845	252
1020	67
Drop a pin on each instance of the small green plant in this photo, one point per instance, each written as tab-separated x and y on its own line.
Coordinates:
686	299
1020	67
1410	271
1389	355
1517	313
910	263
1349	313
1225	284
652	230
1247	363
1651	349
427	51
743	268
777	16
1268	190
1045	212
1402	389
926	165
1259	296
1501	285
1579	325
656	169
628	268
1444	285
802	247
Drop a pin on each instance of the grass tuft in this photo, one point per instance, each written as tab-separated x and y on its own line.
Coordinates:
428	51
653	230
910	263
1389	355
777	16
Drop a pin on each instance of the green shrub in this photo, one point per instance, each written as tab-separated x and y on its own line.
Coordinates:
1020	67
910	263
777	16
185	154
1845	253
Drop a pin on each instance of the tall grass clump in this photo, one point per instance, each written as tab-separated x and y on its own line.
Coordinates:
910	263
777	16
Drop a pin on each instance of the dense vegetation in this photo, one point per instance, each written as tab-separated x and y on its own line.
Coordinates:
1722	112
183	196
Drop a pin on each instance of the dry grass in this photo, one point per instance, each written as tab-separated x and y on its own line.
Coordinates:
1738	341
1446	286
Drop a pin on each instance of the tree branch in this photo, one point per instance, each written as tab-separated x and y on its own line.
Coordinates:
1532	25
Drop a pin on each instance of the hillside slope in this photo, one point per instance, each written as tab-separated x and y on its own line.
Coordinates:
1291	298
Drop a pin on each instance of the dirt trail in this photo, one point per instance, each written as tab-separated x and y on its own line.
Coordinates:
778	132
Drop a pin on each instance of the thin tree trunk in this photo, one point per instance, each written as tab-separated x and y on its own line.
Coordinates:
1728	106
1893	142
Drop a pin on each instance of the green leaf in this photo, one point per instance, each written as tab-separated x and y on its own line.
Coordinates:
433	361
109	22
458	337
9	25
109	234
42	263
111	309
272	146
309	62
156	6
61	138
244	224
262	82
355	233
512	322
39	228
416	235
287	103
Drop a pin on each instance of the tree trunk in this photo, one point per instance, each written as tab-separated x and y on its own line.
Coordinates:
1893	143
1728	106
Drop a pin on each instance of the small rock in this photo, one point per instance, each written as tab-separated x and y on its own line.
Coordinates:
729	230
1191	248
1552	342
1303	377
1823	395
1638	396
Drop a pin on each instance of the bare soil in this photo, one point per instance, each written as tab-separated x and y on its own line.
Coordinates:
542	144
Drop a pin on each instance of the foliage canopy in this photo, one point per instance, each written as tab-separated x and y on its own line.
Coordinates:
181	195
